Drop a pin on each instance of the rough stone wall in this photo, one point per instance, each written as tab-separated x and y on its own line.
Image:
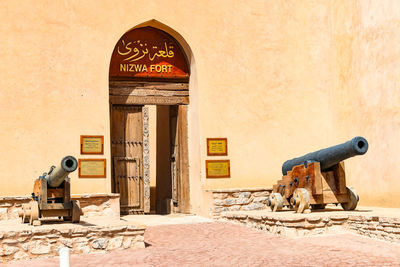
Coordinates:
99	205
371	226
47	242
377	227
238	199
91	204
10	206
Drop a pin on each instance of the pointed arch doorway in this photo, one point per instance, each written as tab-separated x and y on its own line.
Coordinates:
149	69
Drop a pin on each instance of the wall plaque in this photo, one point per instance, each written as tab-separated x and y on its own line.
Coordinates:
218	169
217	146
92	144
148	52
92	168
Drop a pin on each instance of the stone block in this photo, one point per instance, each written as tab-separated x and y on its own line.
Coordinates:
294	224
116	229
65	232
339	217
260	200
244	194
220	195
115	243
38	237
314	219
220	209
240	216
9	250
25	246
139	245
230	201
127	242
82	248
253	206
10	241
234	208
21	256
39	247
22	239
293	219
100	243
79	231
11	234
66	242
42	231
218	202
261	194
243	201
80	240
25	233
139	238
255	217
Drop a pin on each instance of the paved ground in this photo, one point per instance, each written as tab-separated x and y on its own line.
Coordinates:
226	244
173	218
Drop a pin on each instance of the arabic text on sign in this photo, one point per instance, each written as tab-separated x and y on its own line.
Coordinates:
141	49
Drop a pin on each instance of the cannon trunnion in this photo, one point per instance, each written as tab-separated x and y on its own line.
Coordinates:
51	195
317	179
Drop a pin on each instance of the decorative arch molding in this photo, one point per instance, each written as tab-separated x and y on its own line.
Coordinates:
149	66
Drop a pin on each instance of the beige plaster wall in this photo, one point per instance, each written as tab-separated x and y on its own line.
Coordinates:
277	78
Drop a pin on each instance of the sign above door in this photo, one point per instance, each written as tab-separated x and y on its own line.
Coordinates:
148	53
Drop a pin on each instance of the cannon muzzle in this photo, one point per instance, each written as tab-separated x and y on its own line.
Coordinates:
330	156
57	175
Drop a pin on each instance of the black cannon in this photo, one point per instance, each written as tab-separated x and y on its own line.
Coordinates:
317	179
51	195
330	156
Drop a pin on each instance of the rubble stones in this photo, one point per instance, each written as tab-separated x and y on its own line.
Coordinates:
371	226
92	205
46	242
238	199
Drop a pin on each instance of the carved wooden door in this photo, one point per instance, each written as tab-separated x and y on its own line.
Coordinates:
127	156
179	159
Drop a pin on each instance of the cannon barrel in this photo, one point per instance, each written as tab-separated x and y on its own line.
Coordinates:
57	174
331	155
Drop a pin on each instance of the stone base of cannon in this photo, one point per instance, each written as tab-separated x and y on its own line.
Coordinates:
51	202
306	187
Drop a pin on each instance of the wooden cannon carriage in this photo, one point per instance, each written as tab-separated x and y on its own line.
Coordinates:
51	195
317	179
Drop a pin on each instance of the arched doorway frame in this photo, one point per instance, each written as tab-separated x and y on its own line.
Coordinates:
191	114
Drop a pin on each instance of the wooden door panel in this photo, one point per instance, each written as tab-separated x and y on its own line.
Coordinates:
127	153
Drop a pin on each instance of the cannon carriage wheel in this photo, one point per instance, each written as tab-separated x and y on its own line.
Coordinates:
353	199
275	202
30	212
301	200
34	208
76	211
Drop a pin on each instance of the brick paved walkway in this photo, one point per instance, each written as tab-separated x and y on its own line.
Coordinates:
225	244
